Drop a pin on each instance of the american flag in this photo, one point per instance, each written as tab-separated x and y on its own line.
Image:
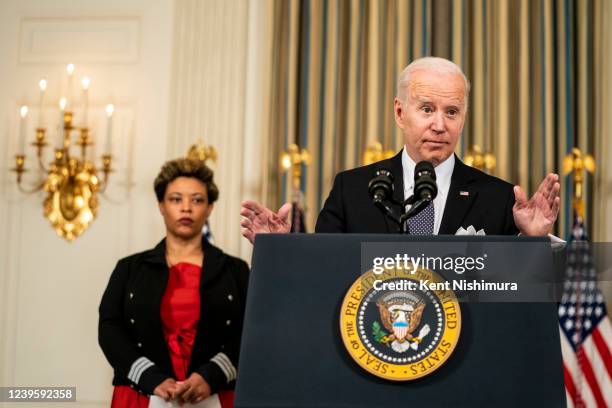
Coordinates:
586	333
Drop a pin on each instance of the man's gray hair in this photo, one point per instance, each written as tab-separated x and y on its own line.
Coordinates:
435	64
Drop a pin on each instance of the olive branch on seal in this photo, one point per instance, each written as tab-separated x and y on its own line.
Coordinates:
379	334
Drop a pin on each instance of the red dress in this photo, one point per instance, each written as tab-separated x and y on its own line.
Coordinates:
180	314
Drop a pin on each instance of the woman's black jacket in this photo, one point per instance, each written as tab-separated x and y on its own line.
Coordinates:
130	329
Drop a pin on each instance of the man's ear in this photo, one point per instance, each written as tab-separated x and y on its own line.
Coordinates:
160	205
398	109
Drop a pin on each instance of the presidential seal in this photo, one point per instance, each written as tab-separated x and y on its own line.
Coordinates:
398	328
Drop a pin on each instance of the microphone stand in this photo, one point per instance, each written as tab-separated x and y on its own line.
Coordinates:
417	207
379	202
380	189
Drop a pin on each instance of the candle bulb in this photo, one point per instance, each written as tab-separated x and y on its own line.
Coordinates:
43	87
110	109
62	105
85	84
69	71
23	112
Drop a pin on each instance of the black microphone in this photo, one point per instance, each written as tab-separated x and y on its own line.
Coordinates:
381	186
425	187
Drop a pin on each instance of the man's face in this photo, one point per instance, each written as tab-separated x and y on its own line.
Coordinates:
433	115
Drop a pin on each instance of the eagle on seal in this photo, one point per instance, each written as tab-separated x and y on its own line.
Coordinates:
402	320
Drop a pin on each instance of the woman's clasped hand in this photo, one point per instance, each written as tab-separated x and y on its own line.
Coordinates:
193	390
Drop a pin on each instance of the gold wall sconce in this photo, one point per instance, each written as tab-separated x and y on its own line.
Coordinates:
72	181
200	151
375	152
577	163
479	160
292	160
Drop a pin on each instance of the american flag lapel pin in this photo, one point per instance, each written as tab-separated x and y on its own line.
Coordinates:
464	193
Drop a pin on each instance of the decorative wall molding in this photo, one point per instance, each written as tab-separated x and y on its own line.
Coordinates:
101	40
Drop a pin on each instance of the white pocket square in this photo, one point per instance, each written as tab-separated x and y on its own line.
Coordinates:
470	231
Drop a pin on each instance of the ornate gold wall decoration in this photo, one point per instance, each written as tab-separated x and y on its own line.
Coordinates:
71	182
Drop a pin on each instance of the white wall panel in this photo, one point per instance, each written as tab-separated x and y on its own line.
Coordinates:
50	289
54	40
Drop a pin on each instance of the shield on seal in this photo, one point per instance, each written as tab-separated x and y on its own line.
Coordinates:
400	329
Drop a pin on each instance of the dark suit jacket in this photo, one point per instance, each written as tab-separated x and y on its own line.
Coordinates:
488	205
130	324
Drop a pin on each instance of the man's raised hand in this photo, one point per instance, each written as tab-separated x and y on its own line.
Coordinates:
537	216
258	219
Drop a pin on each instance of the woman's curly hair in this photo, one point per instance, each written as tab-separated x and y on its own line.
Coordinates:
184	167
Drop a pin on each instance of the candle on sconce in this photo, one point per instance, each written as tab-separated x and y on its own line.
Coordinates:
23	112
85	85
69	71
43	87
62	104
110	109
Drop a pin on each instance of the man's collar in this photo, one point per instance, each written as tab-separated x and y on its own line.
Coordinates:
444	170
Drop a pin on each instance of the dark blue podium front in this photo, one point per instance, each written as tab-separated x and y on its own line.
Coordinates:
292	354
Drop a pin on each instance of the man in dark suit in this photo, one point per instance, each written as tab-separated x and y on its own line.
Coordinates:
430	108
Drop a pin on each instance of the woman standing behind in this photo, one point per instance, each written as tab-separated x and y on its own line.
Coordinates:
171	317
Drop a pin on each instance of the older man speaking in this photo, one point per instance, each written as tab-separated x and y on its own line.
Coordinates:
430	108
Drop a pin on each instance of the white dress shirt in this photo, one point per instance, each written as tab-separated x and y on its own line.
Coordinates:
444	171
